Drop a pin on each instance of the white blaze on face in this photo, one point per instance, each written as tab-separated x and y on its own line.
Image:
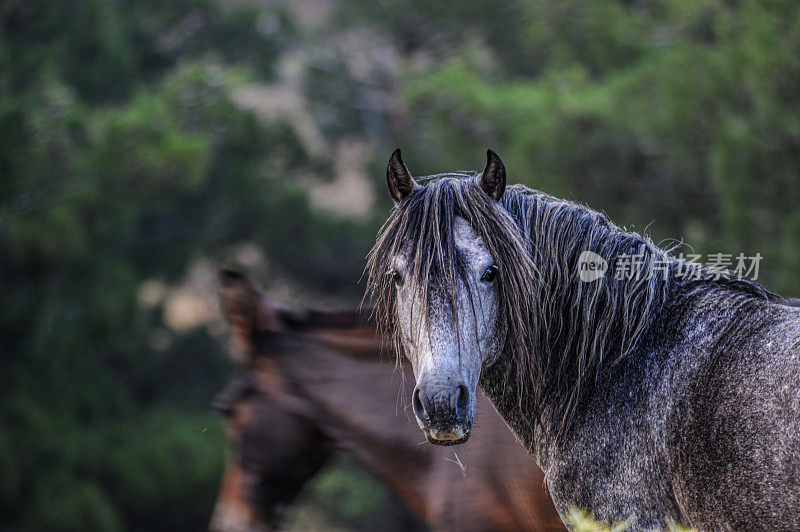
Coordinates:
479	326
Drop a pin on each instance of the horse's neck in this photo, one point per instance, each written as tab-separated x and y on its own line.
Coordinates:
358	342
353	333
700	315
360	402
497	383
314	320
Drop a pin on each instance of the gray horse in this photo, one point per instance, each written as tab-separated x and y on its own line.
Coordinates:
647	388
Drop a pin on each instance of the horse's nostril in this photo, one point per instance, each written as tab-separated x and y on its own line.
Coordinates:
462	400
419	408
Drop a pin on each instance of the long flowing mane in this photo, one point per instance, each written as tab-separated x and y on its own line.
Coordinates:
560	332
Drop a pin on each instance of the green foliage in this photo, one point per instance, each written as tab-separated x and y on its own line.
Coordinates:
349	498
350	494
580	521
166	469
80	505
682	113
118	168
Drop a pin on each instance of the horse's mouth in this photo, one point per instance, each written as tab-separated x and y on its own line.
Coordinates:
454	436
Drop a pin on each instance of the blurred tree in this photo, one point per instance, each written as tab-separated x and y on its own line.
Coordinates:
122	158
678	113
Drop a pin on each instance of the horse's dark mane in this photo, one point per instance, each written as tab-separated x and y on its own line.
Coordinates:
321	320
561	332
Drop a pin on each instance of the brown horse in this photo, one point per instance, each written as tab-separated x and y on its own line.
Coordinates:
315	382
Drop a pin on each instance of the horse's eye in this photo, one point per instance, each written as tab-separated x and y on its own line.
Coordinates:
490	273
397	278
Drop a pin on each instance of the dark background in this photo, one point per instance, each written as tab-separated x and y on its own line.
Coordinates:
145	143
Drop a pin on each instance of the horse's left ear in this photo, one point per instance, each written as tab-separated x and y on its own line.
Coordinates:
248	311
398	178
493	178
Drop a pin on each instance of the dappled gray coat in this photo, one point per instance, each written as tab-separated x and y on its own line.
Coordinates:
670	395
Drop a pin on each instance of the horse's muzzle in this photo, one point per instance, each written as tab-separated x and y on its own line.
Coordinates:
443	413
454	436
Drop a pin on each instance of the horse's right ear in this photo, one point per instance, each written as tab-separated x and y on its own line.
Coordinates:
247	310
398	178
239	302
493	177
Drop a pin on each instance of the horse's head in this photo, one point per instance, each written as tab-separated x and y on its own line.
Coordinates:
274	445
454	257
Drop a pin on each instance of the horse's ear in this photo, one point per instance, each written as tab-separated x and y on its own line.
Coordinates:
493	178
246	309
398	178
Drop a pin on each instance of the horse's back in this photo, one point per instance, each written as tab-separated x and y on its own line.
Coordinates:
734	451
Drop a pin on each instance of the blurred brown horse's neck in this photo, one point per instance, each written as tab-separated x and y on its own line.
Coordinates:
359	398
354	393
352	332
